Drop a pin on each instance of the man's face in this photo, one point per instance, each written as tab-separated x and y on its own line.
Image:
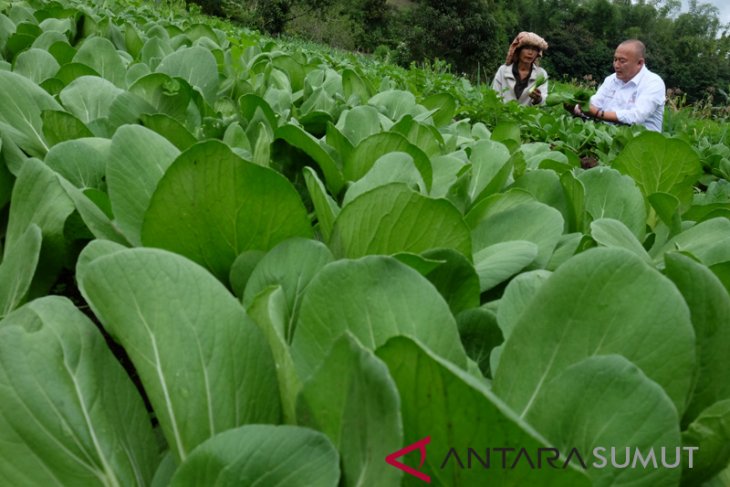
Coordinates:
626	62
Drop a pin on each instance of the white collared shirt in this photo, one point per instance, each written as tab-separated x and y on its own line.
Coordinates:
639	100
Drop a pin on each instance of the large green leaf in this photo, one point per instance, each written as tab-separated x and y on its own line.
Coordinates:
268	309
363	157
605	403
666	207
575	200
39	198
255	109
211	205
94	209
170	129
296	137
394	103
613	233
497	203
394	218
533	222
487	158
101	55
23	102
517	296
197	66
72	71
89	98
138	158
374	298
203	363
446	171
317	110
7	28
445	106
602	301
352	399
127	108
660	164
709	306
60	126
69	414
81	161
708	241
61	51
136	71
546	158
545	186
608	194
36	64
500	261
423	136
169	96
353	84
22	39
292	264
262	455
325	206
292	67
18	267
394	167
154	50
455	278
480	334
261	144
92	251
456	412
359	123
710	434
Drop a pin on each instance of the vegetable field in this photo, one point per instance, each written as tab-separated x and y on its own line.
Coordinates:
231	260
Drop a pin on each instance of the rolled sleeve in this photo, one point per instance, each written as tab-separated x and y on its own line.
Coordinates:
599	99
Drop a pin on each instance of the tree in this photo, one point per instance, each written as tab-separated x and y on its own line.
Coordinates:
462	32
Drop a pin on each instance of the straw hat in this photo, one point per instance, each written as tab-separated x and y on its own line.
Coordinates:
525	39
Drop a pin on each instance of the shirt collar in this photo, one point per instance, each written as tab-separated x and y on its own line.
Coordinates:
533	73
637	77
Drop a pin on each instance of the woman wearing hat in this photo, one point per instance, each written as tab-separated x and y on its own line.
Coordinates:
519	73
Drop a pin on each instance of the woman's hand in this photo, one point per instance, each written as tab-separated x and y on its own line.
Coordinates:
536	96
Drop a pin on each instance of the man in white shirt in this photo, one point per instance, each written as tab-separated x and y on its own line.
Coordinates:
633	94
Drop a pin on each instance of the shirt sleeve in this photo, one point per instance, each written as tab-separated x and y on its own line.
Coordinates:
649	96
497	84
599	99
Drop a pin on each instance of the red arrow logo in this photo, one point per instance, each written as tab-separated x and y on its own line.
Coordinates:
420	445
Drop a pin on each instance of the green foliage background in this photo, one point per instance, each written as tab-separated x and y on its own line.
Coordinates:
689	49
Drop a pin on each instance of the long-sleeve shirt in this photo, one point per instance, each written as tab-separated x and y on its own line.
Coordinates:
639	100
504	84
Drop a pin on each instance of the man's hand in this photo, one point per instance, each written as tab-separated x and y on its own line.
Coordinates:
536	96
576	111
